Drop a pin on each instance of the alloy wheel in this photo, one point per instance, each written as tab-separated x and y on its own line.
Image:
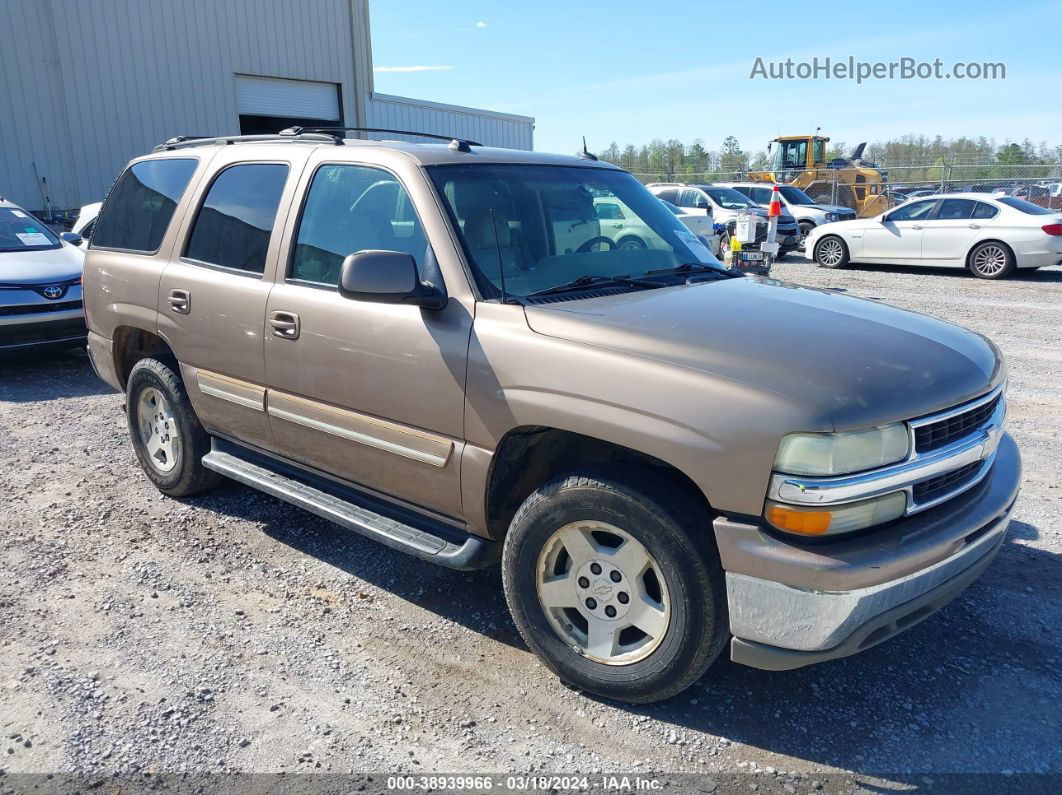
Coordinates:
990	260
831	252
158	429
603	593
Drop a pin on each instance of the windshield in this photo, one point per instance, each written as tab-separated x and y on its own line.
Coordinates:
1026	207
20	231
795	195
537	227
730	199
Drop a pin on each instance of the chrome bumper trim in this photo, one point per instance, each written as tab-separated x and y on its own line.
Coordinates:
764	611
978	446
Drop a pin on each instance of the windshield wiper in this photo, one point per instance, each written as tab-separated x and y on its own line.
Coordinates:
689	267
583	282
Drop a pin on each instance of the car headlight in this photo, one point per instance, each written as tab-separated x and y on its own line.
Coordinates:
830	520
819	454
831	217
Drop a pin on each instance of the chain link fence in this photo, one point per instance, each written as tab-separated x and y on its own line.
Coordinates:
1038	183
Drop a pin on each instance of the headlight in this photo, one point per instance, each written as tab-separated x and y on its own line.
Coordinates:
831	217
835	519
841	453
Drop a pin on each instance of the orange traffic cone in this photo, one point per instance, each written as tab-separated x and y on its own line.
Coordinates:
776	204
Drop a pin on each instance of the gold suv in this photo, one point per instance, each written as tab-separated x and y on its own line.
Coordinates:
437	346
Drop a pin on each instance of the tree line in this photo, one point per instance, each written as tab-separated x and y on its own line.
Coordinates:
673	160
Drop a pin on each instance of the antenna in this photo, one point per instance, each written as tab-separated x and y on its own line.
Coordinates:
497	247
586	154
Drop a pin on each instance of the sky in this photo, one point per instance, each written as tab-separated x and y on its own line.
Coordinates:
630	71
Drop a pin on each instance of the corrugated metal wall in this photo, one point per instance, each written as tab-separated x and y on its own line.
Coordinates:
85	85
96	82
483	126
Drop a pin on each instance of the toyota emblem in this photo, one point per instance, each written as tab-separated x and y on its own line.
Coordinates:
52	291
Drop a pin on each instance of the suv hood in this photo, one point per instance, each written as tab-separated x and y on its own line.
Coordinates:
849	362
51	266
831	208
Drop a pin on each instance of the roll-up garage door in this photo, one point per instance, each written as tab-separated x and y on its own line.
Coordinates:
267	104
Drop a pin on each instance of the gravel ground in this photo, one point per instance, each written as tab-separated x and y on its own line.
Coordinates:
234	633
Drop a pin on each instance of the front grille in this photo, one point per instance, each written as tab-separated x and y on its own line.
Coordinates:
35	309
939	434
929	490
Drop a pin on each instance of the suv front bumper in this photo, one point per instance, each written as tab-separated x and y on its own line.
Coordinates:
793	604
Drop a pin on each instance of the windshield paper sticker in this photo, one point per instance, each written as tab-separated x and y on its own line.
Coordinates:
694	244
33	238
19	214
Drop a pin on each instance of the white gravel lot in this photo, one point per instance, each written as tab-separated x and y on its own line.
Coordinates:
232	632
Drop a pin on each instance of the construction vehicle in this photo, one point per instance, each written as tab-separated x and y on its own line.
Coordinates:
800	161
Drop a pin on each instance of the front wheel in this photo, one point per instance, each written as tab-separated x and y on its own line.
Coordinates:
831	252
165	431
991	260
805	230
632	243
620	593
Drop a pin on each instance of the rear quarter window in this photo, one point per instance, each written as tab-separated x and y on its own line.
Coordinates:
139	209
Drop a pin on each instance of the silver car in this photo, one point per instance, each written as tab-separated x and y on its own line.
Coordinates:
40	285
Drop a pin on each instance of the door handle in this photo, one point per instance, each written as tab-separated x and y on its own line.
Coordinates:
917	226
617	226
975	226
284	324
180	301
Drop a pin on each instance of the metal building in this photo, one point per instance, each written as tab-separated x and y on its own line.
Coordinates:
85	85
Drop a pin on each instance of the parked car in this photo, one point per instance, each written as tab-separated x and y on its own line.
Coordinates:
86	222
991	236
625	228
796	203
701	224
726	204
666	457
40	285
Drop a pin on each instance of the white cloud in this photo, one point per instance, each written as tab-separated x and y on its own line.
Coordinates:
411	68
481	24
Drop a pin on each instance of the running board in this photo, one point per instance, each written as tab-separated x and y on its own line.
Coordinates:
421	538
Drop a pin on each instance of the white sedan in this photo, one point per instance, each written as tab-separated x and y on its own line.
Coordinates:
989	235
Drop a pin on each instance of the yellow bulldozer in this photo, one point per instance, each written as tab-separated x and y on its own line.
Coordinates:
800	161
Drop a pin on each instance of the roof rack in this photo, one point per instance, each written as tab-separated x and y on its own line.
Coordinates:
185	141
457	144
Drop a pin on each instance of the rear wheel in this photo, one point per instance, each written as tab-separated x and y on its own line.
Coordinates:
631	243
991	260
168	439
620	593
831	252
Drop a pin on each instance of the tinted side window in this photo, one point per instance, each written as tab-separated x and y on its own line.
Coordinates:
761	195
608	212
955	209
984	211
744	190
234	224
349	209
139	208
912	212
669	195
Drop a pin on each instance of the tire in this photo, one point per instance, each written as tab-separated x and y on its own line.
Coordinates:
166	433
835	254
805	230
991	260
681	574
631	243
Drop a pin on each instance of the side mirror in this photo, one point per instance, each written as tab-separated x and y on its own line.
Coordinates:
387	277
73	238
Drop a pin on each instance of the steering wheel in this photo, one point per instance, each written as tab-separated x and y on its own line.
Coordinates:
585	247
